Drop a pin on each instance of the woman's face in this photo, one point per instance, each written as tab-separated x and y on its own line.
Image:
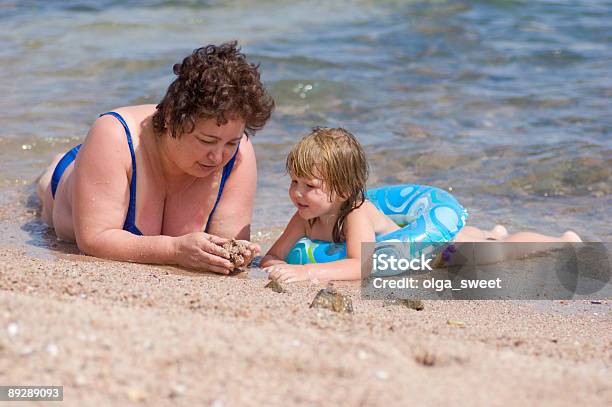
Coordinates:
207	148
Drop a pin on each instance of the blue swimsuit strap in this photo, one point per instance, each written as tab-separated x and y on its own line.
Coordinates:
61	166
227	169
130	218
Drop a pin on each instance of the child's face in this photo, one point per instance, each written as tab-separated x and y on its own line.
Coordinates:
310	197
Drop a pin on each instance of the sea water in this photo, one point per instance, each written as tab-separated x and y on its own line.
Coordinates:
507	104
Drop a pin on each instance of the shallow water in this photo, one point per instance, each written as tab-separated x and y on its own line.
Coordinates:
506	102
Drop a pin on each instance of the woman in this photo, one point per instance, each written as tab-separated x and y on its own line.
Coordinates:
167	184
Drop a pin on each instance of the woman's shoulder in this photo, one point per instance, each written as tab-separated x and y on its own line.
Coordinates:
135	110
246	152
244	169
107	137
134	116
110	128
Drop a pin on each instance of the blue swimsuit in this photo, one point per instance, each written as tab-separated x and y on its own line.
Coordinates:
130	218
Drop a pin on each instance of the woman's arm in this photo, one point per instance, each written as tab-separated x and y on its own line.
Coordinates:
100	200
358	229
232	218
279	250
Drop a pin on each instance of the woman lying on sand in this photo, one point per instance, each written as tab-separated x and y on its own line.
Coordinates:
195	165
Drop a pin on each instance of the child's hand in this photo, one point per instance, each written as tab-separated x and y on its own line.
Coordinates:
288	273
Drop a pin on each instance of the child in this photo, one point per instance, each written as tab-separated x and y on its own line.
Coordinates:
328	170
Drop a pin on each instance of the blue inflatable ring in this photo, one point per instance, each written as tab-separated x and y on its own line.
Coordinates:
428	216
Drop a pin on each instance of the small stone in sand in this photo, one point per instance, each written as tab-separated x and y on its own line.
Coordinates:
331	299
456	322
425	358
381	375
412	304
275	286
52	349
432	358
236	250
13	329
177	389
136	395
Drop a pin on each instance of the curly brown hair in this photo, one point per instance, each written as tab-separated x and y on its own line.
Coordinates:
214	82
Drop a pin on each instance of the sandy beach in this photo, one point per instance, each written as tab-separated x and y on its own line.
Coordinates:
127	334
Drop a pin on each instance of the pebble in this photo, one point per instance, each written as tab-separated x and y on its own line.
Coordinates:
456	322
362	355
296	342
52	349
147	345
13	329
381	375
425	358
26	351
216	403
136	395
178	389
275	286
330	299
412	304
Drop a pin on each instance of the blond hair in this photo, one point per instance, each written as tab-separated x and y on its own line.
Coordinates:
335	156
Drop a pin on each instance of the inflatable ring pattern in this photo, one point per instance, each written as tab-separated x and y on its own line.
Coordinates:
428	216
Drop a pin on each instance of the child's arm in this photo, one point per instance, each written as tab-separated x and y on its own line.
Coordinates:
280	248
358	229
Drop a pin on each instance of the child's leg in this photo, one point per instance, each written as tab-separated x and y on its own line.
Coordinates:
497	233
532	237
496	252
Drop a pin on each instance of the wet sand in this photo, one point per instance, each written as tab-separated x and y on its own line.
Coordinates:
126	334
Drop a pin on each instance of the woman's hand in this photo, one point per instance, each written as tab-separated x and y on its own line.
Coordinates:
203	252
288	273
